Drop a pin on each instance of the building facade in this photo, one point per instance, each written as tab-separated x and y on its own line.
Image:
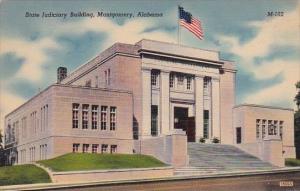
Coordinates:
126	95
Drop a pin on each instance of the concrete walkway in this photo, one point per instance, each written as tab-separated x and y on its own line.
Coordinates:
45	186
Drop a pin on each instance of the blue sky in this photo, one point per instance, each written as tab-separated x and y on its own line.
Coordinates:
265	49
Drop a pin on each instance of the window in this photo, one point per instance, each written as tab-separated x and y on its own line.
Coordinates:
105	73
281	129
24	131
88	83
270	128
108	77
206	85
96	81
154	78
104	148
154	114
263	128
103	117
94	116
206	124
113	119
85	117
188	83
75	147
180	80
275	127
171	80
75	115
257	128
85	148
94	148
113	148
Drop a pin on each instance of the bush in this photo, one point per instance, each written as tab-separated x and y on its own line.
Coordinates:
216	140
292	162
202	140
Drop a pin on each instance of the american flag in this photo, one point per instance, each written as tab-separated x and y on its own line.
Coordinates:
189	22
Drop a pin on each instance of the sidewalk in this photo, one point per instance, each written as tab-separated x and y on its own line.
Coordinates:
45	186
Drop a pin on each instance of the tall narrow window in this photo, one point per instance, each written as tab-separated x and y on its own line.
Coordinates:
257	128
85	116
281	129
180	80
75	115
270	128
94	116
105	74
85	148
275	126
103	117
113	148
104	148
206	85
96	81
75	147
263	128
108	76
154	115
154	78
188	83
113	118
94	148
171	80
206	124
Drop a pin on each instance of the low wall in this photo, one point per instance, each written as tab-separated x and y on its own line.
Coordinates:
268	150
171	149
106	175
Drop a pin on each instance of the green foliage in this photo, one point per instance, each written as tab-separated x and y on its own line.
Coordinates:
23	174
202	140
292	162
89	161
298	84
216	140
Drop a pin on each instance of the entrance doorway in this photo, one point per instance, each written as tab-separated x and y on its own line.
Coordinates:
184	122
238	135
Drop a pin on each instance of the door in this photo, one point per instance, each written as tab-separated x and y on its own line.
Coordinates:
238	135
182	121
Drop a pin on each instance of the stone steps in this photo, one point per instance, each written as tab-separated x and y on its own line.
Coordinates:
212	158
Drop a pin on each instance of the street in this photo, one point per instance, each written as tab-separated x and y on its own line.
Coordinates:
271	182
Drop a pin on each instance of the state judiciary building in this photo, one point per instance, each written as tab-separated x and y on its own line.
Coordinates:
151	98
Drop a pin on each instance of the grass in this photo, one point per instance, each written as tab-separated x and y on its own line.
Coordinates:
89	161
22	174
292	162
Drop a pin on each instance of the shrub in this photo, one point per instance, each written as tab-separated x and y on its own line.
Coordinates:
216	140
202	140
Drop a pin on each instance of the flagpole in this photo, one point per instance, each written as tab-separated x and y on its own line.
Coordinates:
178	28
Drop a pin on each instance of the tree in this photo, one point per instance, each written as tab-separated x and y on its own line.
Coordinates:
297	121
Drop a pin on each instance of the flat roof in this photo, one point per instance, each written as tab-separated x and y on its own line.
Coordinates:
262	106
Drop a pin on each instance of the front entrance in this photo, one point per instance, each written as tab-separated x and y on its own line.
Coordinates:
184	122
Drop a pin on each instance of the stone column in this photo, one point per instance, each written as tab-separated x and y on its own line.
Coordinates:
164	102
146	97
215	107
199	106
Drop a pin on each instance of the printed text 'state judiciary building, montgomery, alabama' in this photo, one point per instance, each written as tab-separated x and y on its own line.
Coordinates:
152	98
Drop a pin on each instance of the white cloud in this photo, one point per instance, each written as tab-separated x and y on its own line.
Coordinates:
272	32
33	53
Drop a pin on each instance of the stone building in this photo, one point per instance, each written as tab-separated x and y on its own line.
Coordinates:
140	98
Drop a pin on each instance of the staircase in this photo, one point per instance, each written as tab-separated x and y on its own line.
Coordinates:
212	158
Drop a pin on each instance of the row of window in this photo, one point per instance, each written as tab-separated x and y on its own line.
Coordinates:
32	154
88	83
180	81
274	127
19	129
94	148
94	116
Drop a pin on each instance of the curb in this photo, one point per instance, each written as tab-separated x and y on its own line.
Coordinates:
45	186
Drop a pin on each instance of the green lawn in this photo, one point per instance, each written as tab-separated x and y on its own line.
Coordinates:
292	162
22	174
89	161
